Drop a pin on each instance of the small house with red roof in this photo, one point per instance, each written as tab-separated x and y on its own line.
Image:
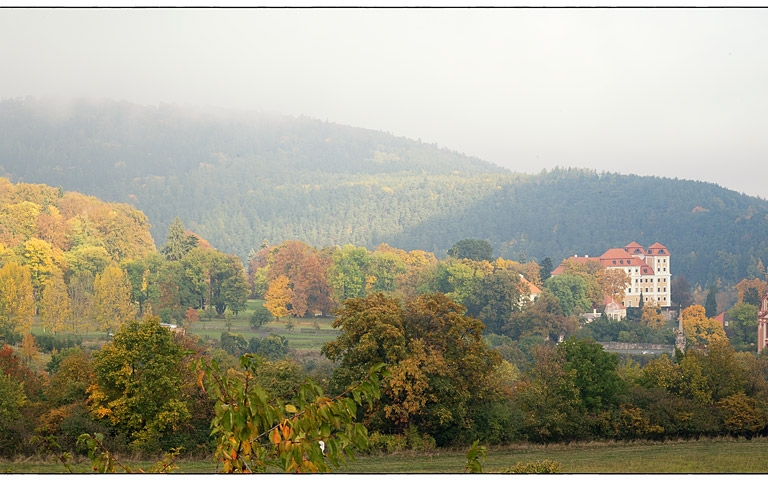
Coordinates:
648	270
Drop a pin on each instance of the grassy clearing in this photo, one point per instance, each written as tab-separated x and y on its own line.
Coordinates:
307	334
703	456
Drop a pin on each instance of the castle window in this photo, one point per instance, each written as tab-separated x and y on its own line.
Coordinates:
614	262
661	251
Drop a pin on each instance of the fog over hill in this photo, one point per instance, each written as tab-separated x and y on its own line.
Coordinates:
238	178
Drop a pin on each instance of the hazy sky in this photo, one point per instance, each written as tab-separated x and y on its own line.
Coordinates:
668	92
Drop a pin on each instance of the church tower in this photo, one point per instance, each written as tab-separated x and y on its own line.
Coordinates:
680	340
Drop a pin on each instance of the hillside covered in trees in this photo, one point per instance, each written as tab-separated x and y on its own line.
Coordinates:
239	178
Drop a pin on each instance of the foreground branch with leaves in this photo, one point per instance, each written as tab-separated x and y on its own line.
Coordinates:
255	433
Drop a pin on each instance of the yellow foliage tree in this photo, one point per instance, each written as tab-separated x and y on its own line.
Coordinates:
651	316
111	304
278	296
55	305
17	302
39	257
613	282
760	287
699	329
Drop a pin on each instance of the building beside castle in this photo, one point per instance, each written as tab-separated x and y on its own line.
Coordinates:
762	324
648	269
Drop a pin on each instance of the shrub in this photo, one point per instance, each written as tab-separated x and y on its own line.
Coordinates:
537	467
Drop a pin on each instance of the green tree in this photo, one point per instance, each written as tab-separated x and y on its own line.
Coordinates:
143	274
572	291
743	323
546	269
138	381
260	316
473	249
710	304
178	243
549	399
272	347
349	272
234	289
681	294
596	378
495	298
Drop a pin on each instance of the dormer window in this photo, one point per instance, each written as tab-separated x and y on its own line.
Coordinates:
661	251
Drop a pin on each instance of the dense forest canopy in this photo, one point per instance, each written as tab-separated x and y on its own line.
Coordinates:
238	178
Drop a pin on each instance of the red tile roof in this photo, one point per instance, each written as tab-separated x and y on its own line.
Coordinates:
619	257
659	248
634	248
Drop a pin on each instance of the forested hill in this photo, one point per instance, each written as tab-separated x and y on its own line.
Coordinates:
238	178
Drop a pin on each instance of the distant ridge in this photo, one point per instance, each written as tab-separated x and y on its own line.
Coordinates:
238	178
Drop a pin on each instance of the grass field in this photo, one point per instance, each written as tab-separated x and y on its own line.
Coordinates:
307	334
702	456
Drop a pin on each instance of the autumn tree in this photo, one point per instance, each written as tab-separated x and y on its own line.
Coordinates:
613	282
752	291
38	256
436	357
306	270
17	302
138	384
278	297
80	290
256	432
699	329
543	318
55	305
651	316
87	260
111	303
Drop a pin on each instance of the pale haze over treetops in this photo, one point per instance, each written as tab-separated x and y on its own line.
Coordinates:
666	92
